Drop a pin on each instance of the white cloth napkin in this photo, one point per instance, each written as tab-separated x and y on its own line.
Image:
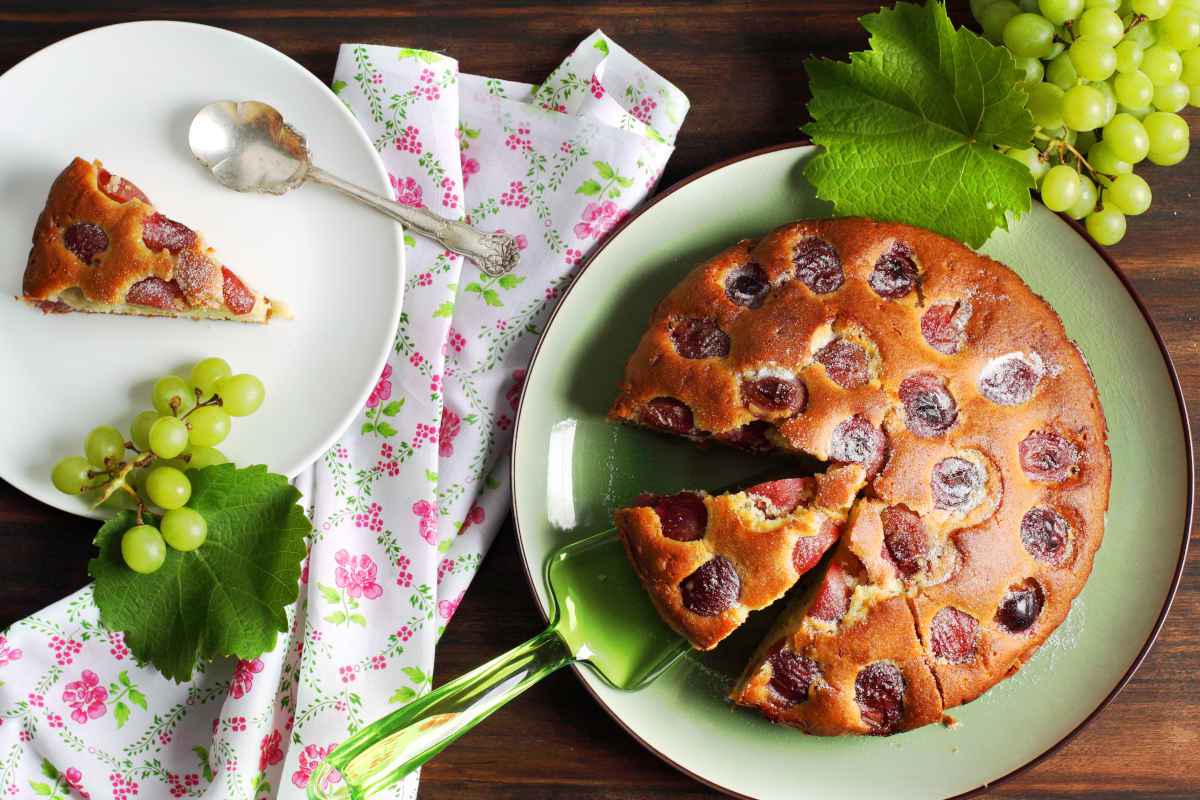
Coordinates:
408	502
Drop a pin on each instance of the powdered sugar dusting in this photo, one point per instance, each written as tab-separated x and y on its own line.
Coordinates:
197	275
156	293
1011	379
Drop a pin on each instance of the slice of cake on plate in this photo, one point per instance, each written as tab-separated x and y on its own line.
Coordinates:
101	247
707	561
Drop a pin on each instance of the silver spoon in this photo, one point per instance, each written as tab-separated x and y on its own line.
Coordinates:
249	147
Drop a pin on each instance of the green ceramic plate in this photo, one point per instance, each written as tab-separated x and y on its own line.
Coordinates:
571	468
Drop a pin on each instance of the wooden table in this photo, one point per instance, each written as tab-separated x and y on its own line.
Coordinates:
740	63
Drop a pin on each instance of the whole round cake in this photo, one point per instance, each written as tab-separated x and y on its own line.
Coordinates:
977	421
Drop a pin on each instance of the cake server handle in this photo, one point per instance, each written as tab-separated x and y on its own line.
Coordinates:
381	754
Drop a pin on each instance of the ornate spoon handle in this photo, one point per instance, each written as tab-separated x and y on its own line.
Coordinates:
495	253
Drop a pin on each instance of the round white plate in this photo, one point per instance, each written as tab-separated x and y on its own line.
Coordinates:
125	95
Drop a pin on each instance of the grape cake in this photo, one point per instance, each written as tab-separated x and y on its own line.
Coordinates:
100	246
773	533
982	446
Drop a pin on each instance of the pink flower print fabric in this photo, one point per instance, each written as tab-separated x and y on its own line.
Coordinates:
85	697
356	574
451	425
408	500
599	219
8	653
310	757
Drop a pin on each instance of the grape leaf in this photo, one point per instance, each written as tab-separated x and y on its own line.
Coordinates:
228	598
909	127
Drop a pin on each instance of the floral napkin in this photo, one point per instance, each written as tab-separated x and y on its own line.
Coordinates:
408	501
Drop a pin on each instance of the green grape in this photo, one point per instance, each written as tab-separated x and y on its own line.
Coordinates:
1056	50
1061	72
241	395
1106	226
1136	113
139	431
1059	11
172	386
1045	104
1188	5
105	442
1102	24
1129	57
1168	158
1191	67
1110	100
1194	95
1060	188
1029	35
1029	70
1105	161
207	374
1134	89
1127	138
119	500
184	529
1028	6
70	474
1168	132
1180	28
977	7
1086	201
143	549
1084	140
1162	65
995	17
1142	35
1093	59
1109	4
168	488
137	478
201	457
1171	97
1129	193
168	436
1151	9
209	425
1032	160
1083	108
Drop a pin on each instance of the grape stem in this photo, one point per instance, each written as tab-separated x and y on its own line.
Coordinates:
1134	21
212	401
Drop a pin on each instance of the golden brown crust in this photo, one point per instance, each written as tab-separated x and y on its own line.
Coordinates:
118	256
758	541
972	550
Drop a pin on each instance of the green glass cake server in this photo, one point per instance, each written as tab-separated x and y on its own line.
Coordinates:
625	642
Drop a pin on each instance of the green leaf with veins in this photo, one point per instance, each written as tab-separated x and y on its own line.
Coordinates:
909	127
226	598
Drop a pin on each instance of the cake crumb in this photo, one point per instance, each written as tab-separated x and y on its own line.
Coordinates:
949	722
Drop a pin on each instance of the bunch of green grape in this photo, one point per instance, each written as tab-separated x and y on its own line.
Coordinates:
1106	80
190	418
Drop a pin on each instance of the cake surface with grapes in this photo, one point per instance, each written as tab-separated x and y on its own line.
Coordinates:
690	549
100	246
976	422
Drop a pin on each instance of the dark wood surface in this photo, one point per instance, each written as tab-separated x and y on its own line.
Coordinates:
740	62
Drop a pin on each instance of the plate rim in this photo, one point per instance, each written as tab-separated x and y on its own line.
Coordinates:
1175	578
381	176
